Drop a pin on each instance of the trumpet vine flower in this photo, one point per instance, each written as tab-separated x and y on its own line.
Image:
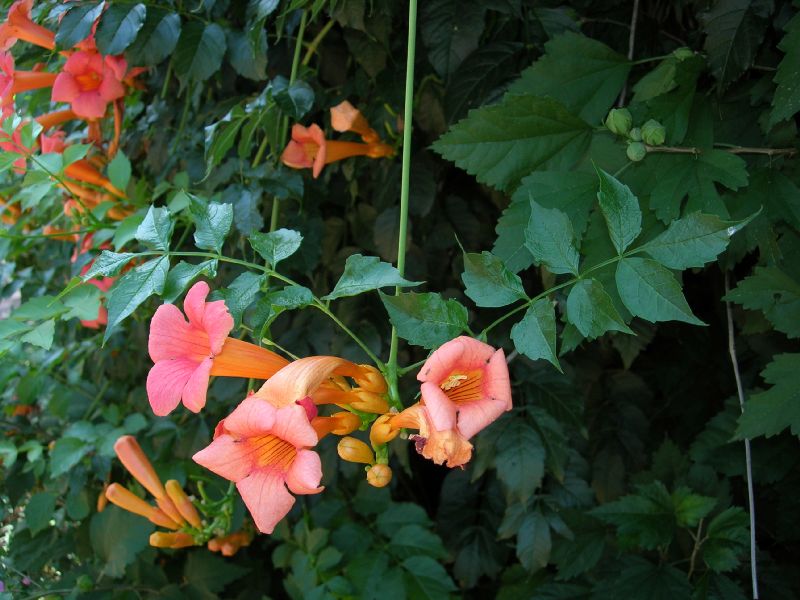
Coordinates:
265	450
89	81
441	446
19	26
13	81
187	353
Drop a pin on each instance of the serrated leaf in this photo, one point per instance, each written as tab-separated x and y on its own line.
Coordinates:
450	31
157	38
117	536
212	224
118	27
735	30
426	579
416	540
550	239
488	282
645	519
770	412
651	292
519	459
108	264
41	335
182	274
534	542
199	52
692	241
691	508
591	310
84	302
119	170
211	573
76	24
773	292
276	245
642	579
426	320
500	144
578	555
156	228
584	74
365	273
535	335
241	293
39	511
620	209
786	101
133	288
727	538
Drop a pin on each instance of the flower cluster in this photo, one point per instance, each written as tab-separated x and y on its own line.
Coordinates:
266	444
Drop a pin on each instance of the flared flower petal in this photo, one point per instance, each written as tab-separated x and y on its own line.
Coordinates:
305	473
253	417
266	497
227	457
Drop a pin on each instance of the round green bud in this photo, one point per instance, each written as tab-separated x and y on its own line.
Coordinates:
85	583
635	134
619	121
636	151
682	53
653	133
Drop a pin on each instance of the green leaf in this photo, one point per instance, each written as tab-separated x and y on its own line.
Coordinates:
692	241
117	536
621	211
416	540
519	459
426	579
261	9
41	307
219	138
276	245
584	550
365	273
488	282
658	81
691	508
8	454
426	320
786	101
510	244
451	30
773	292
241	293
534	542
156	228
643	580
39	511
651	292
584	74
84	302
182	274
119	170
133	288
535	335
41	335
592	311
500	144
209	572
66	453
735	30
200	49
727	538
295	100
645	519
157	38
770	412
212	224
118	27
108	264
550	239
76	24
248	60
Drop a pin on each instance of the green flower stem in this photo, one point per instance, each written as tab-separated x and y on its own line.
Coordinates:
312	47
408	113
316	303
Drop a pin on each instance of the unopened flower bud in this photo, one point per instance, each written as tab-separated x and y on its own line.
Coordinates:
682	53
382	431
635	134
368	402
653	133
379	475
133	458
346	422
372	380
127	500
159	539
102	501
182	503
636	151
619	121
353	450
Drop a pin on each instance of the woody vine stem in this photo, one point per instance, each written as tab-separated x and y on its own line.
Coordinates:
408	111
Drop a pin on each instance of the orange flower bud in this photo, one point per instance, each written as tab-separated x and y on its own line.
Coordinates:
182	503
166	505
127	500
133	458
346	422
379	475
372	380
368	401
102	501
230	544
159	539
340	382
353	450
382	431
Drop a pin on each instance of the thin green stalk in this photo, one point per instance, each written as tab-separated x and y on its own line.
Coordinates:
408	113
312	47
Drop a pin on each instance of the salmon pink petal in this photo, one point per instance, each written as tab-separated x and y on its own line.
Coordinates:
496	383
305	473
218	323
118	66
110	88
291	424
65	88
194	305
165	383
77	63
440	409
475	416
266	497
295	156
227	457
460	354
253	417
171	336
89	105
194	394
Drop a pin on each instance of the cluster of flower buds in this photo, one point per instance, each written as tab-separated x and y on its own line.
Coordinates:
620	122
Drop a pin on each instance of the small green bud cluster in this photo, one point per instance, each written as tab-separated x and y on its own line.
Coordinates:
620	122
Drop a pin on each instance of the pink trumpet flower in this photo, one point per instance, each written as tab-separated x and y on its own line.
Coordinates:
89	82
19	26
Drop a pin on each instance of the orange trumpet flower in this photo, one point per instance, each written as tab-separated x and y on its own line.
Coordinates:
19	26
